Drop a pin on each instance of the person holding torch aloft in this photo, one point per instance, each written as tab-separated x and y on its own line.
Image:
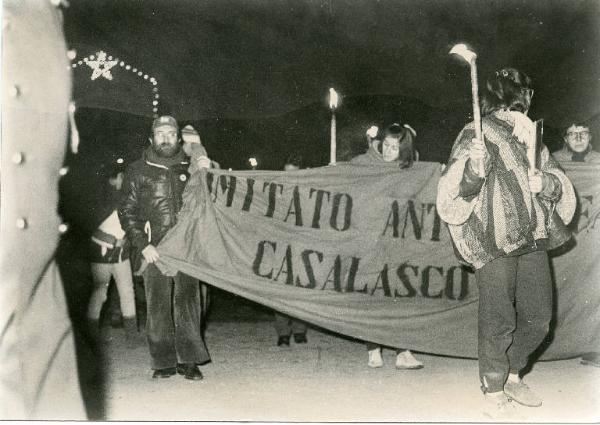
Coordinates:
501	211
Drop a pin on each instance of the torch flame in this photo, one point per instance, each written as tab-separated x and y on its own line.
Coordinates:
463	51
333	99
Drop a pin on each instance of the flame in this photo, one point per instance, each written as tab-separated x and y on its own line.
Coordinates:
463	51
333	98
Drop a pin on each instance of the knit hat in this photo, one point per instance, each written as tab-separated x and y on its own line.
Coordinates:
190	135
165	120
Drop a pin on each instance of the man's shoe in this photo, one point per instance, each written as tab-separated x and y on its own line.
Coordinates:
498	406
591	359
375	359
164	373
406	361
520	392
300	338
189	371
283	340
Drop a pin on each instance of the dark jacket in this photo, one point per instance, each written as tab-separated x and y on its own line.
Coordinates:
103	202
152	199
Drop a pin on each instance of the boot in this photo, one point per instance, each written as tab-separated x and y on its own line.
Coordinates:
134	338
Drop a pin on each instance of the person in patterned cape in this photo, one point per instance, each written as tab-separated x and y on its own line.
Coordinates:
501	213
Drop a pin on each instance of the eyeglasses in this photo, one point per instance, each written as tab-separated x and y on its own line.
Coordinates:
578	134
527	91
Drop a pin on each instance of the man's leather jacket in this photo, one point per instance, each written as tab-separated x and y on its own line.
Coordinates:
151	202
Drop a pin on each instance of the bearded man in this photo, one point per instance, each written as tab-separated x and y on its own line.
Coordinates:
153	189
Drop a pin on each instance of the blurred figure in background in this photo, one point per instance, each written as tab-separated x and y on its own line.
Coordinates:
192	146
109	257
286	325
577	146
395	144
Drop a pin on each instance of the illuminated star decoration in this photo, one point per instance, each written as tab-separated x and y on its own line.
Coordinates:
100	66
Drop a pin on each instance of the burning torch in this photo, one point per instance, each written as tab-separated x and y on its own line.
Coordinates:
333	104
253	163
468	55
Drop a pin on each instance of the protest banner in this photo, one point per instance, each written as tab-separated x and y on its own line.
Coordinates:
360	250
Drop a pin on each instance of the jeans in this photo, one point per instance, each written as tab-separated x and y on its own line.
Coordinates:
515	309
174	314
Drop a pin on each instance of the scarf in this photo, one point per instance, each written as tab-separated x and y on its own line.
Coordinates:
152	156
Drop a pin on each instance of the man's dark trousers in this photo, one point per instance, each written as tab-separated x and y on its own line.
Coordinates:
173	319
515	308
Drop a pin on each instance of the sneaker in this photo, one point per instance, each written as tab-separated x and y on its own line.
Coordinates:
498	406
591	359
520	392
375	359
405	360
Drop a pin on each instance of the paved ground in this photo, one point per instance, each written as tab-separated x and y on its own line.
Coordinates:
250	379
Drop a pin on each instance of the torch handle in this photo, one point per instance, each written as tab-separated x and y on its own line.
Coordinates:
476	109
333	142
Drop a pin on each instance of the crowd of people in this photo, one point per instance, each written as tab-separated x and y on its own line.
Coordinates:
499	206
501	209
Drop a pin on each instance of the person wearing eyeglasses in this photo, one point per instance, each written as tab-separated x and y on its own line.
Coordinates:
577	146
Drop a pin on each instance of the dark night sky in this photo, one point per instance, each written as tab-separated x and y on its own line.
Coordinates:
248	59
252	75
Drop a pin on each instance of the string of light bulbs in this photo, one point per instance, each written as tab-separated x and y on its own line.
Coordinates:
101	64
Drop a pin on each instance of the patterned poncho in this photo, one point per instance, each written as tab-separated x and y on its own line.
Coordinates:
501	216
